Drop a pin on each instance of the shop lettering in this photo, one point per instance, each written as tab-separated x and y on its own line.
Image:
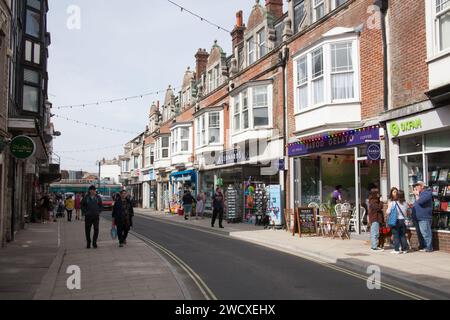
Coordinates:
337	141
405	126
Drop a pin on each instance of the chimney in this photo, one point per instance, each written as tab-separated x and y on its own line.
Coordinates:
238	32
201	59
274	8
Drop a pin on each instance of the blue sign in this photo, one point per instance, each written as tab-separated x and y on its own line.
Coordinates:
274	206
374	152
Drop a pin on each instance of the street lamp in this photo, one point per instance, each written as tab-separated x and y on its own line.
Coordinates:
99	163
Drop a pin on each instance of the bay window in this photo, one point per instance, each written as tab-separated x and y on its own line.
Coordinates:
302	82
317	76
442	22
260	107
164	147
208	129
342	71
31	88
214	127
33	23
180	140
326	74
252	108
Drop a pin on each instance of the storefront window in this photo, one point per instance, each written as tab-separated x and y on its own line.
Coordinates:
411	171
437	141
310	181
411	145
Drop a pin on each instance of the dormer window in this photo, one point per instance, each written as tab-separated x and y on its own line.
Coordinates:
318	9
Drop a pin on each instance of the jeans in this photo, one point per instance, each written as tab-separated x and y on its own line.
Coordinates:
122	232
89	222
427	233
399	232
217	212
422	244
374	234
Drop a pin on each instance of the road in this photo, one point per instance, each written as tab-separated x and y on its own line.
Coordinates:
237	270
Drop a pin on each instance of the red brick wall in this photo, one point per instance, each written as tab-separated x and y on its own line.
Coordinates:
408	54
441	241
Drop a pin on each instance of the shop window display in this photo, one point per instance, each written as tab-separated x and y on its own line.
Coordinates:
411	170
439	181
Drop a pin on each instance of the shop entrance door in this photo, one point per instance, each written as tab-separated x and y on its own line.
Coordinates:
367	178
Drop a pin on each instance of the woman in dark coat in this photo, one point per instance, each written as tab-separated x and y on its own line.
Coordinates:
123	217
376	219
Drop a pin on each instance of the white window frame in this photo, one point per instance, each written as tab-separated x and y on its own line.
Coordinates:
316	5
161	148
327	65
147	155
238	98
177	140
437	31
251	54
261	43
203	133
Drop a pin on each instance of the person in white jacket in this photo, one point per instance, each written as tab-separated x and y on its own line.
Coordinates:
397	204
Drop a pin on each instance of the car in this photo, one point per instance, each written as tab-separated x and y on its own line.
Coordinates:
107	202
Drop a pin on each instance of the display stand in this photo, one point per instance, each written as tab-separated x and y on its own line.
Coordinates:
234	208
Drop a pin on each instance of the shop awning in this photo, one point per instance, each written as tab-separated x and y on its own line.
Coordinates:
188	175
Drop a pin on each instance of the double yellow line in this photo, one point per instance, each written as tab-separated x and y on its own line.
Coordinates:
204	289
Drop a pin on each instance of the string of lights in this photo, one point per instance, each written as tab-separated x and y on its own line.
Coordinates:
96	125
183	9
103	102
91	150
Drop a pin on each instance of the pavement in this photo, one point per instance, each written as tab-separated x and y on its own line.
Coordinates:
35	265
429	272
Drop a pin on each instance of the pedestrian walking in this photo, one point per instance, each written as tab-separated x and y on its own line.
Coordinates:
122	215
218	206
45	208
77	206
92	206
188	200
376	219
423	214
397	210
69	204
200	207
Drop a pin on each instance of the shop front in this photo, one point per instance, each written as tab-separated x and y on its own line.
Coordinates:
350	159
241	182
149	189
180	181
419	146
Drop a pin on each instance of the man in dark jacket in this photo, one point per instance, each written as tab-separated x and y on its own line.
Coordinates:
218	206
92	206
122	214
423	213
188	201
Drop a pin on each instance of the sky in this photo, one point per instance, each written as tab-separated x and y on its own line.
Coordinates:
116	50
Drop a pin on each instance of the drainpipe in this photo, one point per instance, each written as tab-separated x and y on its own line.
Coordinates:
283	59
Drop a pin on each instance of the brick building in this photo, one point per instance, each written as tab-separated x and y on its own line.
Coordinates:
417	119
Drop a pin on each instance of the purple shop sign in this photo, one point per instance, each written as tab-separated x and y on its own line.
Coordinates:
348	139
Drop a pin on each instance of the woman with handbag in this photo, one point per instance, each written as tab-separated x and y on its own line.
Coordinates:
376	219
397	214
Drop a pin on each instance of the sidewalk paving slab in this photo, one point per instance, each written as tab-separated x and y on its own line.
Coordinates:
34	267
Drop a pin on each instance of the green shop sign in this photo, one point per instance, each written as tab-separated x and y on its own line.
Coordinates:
22	147
396	128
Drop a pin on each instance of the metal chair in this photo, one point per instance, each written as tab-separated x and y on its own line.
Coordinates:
338	209
363	215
